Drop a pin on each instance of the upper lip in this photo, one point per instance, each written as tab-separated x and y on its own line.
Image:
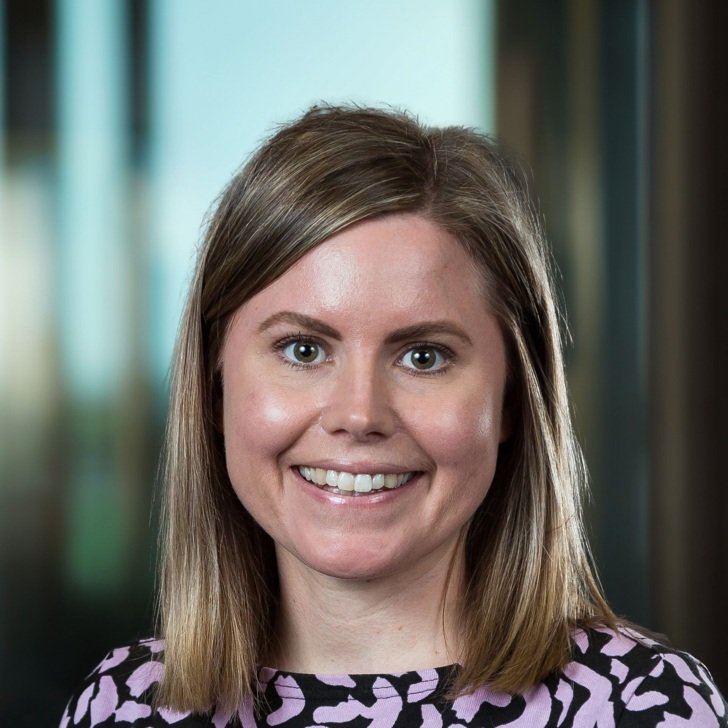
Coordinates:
357	468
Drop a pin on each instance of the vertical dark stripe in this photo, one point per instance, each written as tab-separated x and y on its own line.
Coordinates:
624	509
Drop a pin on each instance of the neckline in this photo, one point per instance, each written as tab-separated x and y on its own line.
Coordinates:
415	684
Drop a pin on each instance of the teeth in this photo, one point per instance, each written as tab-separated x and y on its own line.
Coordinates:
359	483
390	481
346	481
363	483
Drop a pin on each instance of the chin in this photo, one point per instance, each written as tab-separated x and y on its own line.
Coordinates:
348	562
353	572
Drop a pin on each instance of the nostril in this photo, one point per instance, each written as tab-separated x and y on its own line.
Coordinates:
360	409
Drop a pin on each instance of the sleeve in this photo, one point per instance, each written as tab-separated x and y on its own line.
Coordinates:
117	692
678	692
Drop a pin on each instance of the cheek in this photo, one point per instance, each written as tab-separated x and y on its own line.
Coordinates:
464	438
261	420
257	423
258	426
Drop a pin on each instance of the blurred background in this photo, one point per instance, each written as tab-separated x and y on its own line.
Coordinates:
121	120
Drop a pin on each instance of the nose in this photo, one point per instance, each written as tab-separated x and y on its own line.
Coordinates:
359	404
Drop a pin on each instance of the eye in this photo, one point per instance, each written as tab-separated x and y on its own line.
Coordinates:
301	351
425	359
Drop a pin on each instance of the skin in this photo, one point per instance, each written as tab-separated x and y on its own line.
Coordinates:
373	395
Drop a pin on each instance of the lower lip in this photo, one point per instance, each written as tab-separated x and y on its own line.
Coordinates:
373	497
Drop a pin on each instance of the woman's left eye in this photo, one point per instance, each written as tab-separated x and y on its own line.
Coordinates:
304	352
425	359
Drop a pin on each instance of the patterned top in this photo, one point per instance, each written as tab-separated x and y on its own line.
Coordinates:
613	681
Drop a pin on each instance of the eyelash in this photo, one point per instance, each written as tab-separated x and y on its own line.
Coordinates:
447	354
280	346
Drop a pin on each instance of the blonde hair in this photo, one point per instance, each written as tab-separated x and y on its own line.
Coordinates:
529	577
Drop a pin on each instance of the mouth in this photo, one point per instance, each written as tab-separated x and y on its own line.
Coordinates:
340	481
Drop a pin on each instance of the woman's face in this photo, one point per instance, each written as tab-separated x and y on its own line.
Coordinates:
363	400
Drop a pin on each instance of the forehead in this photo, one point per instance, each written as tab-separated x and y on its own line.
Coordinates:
404	265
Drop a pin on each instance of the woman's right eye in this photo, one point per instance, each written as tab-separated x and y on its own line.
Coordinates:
303	352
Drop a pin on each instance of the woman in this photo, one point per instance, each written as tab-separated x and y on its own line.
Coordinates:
372	482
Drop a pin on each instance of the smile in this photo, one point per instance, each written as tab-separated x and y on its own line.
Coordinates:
354	483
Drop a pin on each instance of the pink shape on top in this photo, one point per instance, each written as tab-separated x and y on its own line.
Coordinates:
246	714
222	717
289	708
173	716
536	711
645	701
105	702
658	669
564	694
618	645
702	715
82	704
153	645
630	688
682	669
144	677
431	717
115	658
599	689
581	640
420	690
382	688
382	714
130	711
619	670
466	706
292	700
287	686
715	699
344	681
638	637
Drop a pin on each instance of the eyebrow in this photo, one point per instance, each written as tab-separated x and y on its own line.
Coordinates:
420	330
304	322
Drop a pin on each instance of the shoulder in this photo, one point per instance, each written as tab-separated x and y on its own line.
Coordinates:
640	681
119	691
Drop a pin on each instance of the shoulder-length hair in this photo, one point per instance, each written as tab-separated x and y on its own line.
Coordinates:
529	579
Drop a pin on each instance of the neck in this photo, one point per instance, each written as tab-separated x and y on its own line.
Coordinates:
396	623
